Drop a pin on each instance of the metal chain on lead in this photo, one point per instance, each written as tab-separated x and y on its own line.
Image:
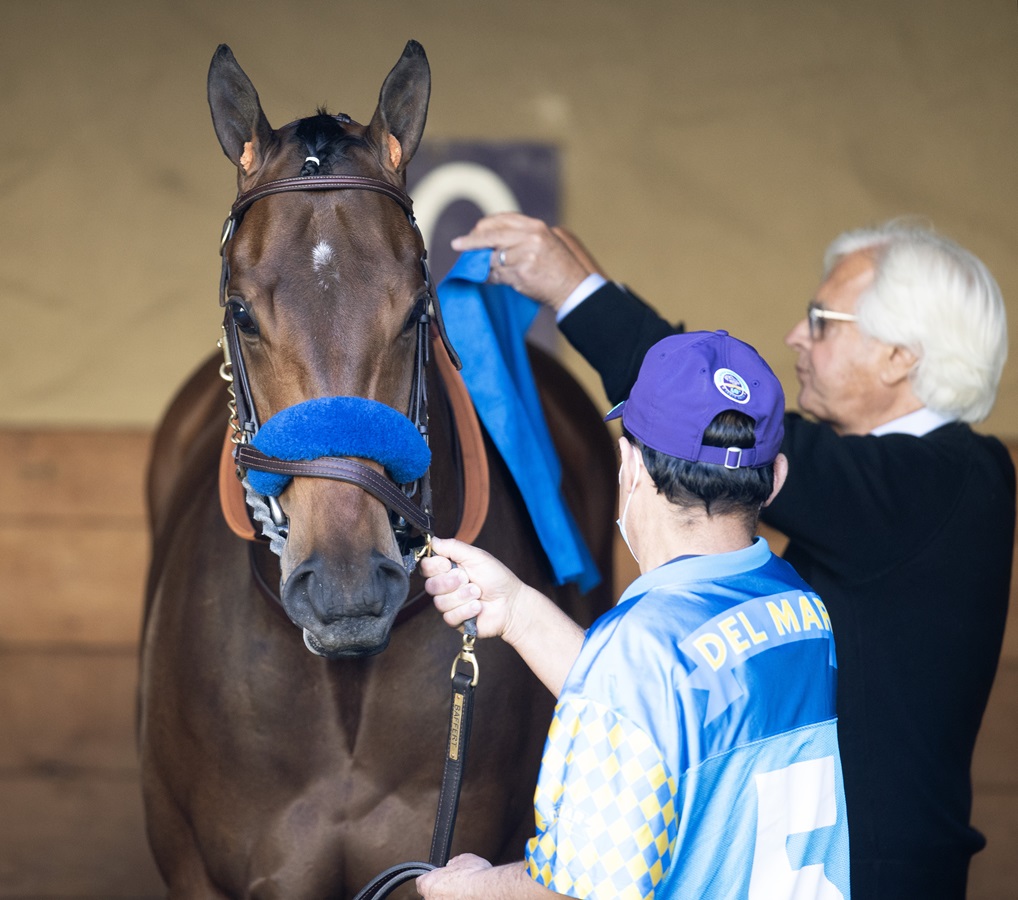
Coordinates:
226	373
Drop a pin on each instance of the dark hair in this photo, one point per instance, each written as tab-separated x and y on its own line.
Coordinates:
323	136
717	490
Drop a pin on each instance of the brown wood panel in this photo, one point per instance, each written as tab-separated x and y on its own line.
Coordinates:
73	552
74	836
993	874
995	791
71	582
993	764
84	474
64	711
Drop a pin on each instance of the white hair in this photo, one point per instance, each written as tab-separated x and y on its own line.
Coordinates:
941	302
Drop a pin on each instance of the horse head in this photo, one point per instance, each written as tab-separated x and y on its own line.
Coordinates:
324	290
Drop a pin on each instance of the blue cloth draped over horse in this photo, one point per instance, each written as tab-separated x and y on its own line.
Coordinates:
487	324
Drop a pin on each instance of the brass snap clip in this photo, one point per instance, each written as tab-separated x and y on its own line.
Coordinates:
466	653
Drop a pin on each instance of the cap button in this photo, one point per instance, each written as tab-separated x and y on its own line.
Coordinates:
721	332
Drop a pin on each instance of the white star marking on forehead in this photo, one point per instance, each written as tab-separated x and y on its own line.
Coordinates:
323	260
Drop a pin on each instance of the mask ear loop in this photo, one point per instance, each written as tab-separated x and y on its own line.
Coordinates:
621	520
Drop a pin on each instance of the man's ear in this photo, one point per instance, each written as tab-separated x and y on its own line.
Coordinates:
629	463
780	474
898	365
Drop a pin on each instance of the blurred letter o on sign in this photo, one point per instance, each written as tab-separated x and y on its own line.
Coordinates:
454	183
459	181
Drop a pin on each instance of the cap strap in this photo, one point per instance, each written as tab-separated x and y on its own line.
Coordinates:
733	457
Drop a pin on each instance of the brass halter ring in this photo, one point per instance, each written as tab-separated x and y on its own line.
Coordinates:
424	549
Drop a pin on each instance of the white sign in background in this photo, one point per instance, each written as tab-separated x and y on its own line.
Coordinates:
454	183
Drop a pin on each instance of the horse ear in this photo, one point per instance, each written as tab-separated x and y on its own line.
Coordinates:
243	131
398	122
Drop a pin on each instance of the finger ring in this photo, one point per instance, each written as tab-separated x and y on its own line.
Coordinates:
501	257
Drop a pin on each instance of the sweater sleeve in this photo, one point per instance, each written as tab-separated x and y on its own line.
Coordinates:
613	329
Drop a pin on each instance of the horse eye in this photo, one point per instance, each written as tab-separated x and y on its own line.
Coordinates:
242	317
420	307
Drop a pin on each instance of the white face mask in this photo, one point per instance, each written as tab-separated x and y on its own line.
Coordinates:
621	521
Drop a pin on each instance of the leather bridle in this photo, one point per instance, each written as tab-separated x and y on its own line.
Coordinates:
408	514
410	504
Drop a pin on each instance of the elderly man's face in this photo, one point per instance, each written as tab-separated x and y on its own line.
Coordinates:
839	373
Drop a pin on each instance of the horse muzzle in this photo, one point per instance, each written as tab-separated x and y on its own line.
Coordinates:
344	616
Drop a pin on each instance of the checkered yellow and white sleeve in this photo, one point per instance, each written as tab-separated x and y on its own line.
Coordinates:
604	806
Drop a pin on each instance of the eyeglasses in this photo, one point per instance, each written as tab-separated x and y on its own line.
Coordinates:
817	316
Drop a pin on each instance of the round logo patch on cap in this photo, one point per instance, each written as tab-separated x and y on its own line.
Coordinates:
732	385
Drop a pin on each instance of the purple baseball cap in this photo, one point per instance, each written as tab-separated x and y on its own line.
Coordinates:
685	380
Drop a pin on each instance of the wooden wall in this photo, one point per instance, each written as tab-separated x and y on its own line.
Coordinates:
72	559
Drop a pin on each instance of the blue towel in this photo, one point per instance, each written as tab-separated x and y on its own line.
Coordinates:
487	324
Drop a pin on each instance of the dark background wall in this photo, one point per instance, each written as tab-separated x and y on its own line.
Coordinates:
709	152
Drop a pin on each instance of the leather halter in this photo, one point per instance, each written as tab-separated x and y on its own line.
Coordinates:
409	514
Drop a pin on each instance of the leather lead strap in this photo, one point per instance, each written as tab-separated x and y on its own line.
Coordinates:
460	717
386	882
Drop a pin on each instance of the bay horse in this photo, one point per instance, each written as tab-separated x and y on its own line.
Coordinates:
283	754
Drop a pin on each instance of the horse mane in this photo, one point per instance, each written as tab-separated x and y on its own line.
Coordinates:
325	139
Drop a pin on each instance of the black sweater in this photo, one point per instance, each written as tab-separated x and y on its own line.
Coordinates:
908	540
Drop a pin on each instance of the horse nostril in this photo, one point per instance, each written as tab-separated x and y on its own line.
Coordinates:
391	581
303	589
329	593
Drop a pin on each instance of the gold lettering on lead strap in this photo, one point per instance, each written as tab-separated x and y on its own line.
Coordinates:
455	723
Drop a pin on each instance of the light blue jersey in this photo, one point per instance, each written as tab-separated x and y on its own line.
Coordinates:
694	751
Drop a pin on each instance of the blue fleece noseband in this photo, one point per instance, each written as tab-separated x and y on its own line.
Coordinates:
340	426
